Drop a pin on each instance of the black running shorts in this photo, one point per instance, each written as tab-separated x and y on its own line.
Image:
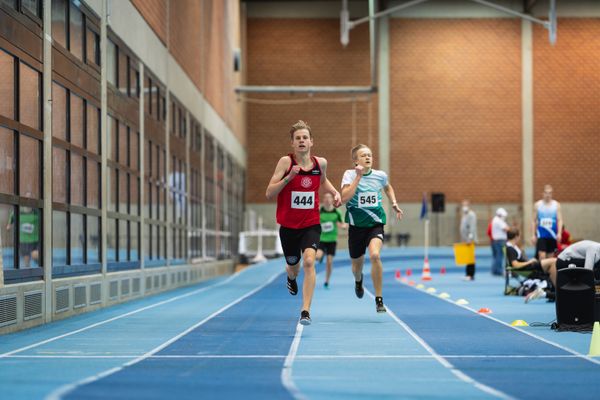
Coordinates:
295	241
328	248
359	239
547	245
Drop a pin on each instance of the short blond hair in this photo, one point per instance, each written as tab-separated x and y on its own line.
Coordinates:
355	150
298	126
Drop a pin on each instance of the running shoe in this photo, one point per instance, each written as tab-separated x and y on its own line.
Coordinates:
326	285
305	318
358	288
292	286
379	305
536	294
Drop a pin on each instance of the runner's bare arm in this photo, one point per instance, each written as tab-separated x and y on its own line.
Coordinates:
348	191
391	195
277	182
559	222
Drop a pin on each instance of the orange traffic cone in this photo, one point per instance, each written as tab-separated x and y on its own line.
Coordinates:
426	276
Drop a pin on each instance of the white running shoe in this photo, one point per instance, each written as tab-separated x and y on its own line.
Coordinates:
538	293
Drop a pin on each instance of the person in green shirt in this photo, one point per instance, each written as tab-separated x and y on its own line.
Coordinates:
29	234
361	192
331	220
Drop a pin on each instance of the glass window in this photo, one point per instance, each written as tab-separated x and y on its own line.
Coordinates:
29	96
29	167
134	246
7	161
134	149
113	182
111	240
77	181
123	236
76	31
93	47
59	22
123	151
77	239
93	240
113	127
123	72
59	238
59	175
77	115
148	95
59	111
7	234
93	125
32	6
123	192
134	186
93	179
10	3
134	77
7	85
111	63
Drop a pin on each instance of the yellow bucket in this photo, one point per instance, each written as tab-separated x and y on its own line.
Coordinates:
464	253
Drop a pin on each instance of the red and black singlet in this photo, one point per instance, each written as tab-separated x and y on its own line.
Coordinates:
298	202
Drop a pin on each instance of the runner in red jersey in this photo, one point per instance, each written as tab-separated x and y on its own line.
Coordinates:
296	182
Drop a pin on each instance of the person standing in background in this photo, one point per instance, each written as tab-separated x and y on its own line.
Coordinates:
547	225
499	229
468	234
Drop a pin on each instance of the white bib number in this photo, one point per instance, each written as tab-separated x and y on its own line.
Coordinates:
367	200
303	200
27	228
327	227
547	222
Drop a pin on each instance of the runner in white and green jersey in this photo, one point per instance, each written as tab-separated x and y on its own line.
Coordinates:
361	192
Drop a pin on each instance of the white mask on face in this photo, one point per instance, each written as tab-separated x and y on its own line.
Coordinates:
465	209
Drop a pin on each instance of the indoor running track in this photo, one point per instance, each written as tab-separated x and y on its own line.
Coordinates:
238	337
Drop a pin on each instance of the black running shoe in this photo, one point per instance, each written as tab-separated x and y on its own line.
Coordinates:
326	285
305	318
379	305
358	288
292	286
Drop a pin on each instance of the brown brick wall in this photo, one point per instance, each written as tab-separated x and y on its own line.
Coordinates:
567	111
306	52
185	33
155	14
456	109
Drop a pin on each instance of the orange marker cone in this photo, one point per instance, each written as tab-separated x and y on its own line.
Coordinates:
484	310
443	270
411	283
398	274
426	276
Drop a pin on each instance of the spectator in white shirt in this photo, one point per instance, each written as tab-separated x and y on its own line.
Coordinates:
499	229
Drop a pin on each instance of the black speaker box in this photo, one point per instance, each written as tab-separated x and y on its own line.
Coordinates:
575	294
438	202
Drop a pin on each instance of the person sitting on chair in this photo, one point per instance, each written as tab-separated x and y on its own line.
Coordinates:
516	259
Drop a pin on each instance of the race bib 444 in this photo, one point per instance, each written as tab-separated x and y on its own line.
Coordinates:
303	200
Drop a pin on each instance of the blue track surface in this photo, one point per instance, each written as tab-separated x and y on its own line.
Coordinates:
230	338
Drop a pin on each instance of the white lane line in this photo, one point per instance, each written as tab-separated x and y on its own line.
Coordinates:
106	321
65	389
286	372
564	348
297	357
458	373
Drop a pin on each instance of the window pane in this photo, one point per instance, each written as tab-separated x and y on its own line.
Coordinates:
123	70
114	140
134	186
7	85
133	80
59	238
7	232
93	178
76	32
59	18
123	236
134	254
123	151
77	184
93	49
32	6
29	96
29	167
148	95
123	192
7	161
133	147
93	240
111	240
111	63
92	128
59	111
59	175
77	239
77	107
112	189
10	3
